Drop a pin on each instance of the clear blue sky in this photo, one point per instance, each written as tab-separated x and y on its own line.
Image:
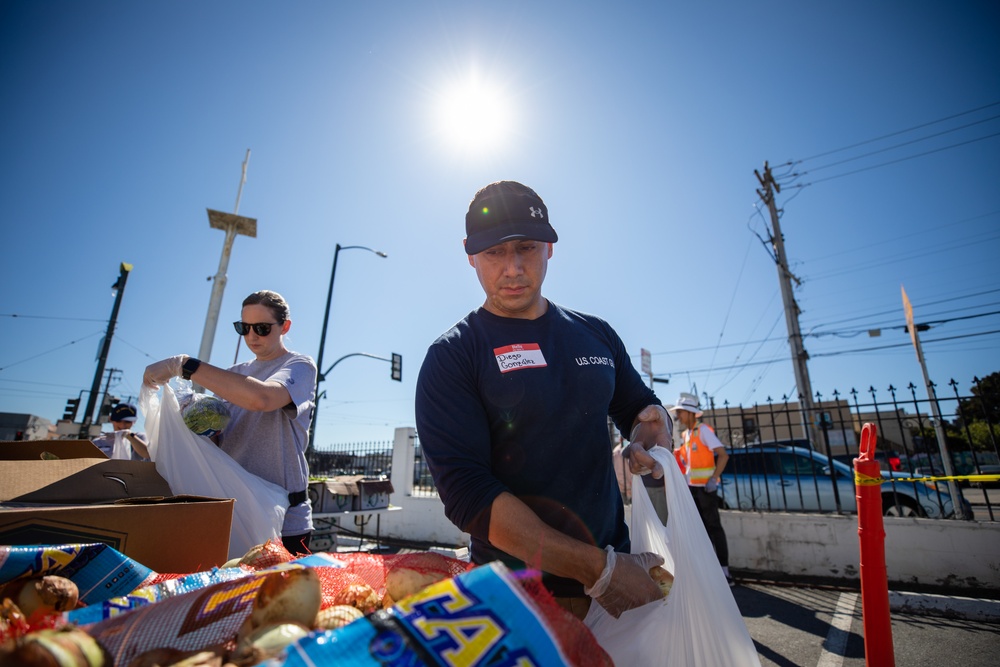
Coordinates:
640	124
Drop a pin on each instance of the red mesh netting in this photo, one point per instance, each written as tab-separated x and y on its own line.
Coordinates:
372	569
576	641
368	571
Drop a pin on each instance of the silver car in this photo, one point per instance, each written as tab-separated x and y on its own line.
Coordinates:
798	479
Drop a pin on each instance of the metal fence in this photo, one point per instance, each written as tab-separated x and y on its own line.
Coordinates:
908	445
371	459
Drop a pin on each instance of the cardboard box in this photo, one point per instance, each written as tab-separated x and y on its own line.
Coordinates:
349	493
372	494
80	481
335	494
176	535
124	504
40	450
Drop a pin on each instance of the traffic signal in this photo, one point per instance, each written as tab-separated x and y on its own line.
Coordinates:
397	367
72	405
107	405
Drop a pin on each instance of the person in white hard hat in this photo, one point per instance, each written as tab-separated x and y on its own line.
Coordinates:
702	458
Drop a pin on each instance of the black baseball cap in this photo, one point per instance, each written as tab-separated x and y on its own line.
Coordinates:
123	412
506	211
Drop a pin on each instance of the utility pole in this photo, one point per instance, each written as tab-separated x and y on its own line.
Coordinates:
95	388
107	388
932	401
785	278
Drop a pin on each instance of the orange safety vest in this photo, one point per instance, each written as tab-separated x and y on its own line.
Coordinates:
694	457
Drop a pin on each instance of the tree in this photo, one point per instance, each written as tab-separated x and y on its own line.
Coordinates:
985	402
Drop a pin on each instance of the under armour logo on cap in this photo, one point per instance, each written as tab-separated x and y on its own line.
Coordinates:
506	211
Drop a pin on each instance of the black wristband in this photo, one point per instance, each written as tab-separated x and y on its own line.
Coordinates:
189	367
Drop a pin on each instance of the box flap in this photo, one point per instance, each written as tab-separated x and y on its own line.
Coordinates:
32	450
344	485
375	486
83	481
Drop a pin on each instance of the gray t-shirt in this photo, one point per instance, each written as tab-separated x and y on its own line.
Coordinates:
272	445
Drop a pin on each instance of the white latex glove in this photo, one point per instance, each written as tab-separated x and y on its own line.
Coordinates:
160	373
625	582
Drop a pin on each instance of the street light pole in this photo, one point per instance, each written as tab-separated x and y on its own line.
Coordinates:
232	224
320	376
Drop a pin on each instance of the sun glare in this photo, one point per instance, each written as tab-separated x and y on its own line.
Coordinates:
474	117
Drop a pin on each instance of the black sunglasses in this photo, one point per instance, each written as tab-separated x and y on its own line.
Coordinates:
261	328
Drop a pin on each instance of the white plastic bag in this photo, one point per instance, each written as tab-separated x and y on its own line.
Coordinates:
699	624
122	449
193	464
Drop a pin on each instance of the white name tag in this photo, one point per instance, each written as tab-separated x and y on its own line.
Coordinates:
519	355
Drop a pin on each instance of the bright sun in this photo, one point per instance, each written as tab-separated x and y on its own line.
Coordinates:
474	117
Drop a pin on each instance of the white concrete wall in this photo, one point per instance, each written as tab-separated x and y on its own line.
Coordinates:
929	552
926	552
421	519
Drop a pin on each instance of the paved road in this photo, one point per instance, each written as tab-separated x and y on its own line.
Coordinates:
985	502
808	627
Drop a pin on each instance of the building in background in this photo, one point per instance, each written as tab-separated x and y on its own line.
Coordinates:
14	426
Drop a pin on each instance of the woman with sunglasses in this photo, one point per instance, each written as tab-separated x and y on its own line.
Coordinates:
271	399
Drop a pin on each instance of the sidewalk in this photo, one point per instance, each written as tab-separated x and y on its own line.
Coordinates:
922	604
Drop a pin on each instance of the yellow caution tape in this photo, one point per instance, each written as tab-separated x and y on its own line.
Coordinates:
865	480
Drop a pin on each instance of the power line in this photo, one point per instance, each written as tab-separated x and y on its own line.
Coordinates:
896	161
842	352
898	132
42	354
901	327
906	344
976	239
49	317
820	334
895	146
895	239
729	310
949	299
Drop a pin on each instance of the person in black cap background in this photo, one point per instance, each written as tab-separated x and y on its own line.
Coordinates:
122	443
512	407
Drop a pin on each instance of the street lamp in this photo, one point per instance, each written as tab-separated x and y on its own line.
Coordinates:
320	376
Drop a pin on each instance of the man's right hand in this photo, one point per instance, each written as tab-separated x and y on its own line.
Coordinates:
641	462
625	583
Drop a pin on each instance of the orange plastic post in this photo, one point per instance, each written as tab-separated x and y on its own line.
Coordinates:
871	536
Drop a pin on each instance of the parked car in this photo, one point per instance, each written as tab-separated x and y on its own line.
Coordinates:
887	460
798	479
987	470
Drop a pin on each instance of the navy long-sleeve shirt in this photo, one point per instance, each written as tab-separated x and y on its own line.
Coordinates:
506	404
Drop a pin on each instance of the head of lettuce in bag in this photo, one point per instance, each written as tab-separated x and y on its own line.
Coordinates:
206	415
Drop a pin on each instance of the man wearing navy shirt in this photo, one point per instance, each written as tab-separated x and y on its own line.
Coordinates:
512	406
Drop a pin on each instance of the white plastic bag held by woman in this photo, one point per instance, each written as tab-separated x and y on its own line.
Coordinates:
698	624
193	465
